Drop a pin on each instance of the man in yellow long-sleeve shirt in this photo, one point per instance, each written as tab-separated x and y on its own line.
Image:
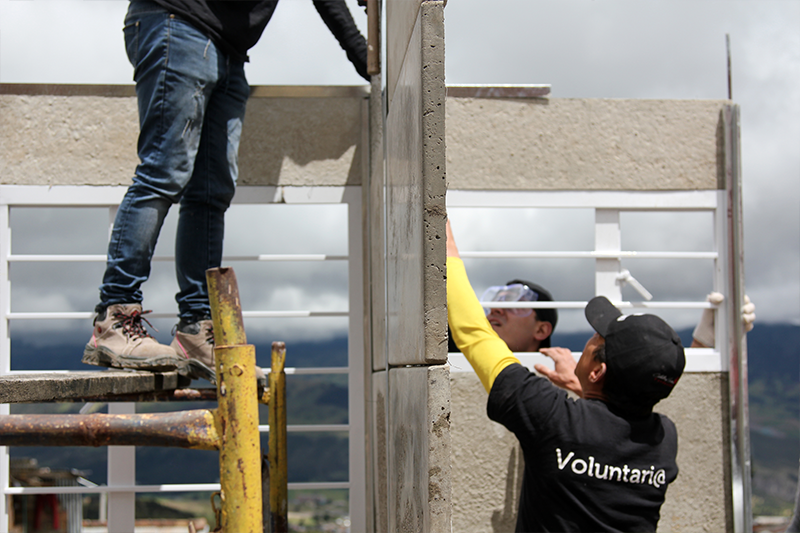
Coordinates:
599	463
522	329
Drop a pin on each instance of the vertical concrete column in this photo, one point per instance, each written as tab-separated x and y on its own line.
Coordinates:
418	461
375	230
412	395
415	196
380	451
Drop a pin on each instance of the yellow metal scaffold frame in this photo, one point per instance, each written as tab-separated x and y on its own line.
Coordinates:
231	429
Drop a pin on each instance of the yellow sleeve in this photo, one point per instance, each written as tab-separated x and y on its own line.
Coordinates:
486	352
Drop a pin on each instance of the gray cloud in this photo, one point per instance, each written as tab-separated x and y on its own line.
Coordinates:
611	49
661	49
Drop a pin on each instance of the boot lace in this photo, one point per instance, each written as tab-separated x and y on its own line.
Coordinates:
210	335
131	324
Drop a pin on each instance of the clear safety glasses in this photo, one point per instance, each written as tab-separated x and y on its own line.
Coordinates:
510	293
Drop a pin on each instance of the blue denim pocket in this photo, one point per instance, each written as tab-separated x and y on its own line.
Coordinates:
131	32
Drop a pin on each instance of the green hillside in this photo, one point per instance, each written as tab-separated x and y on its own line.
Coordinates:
774	394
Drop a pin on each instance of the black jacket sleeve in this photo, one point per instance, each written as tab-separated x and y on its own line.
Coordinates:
339	20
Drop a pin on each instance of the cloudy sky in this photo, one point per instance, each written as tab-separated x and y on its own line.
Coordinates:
672	49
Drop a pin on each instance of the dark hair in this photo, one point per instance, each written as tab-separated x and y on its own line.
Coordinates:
545	315
600	353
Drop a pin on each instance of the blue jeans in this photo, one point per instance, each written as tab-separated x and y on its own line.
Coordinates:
192	100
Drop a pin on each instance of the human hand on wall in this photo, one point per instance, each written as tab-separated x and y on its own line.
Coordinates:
564	373
704	336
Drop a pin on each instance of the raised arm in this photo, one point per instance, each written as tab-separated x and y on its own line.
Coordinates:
703	335
474	336
340	22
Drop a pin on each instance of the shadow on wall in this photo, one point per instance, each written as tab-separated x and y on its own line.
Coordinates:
302	142
506	519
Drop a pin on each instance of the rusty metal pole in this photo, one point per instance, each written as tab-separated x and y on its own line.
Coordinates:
240	451
373	37
182	429
277	454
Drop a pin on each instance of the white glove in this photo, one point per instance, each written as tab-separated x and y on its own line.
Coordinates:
704	332
748	314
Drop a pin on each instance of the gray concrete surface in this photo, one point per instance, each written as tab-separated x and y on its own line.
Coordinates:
313	138
415	196
380	450
374	243
401	19
47	387
572	144
418	449
487	462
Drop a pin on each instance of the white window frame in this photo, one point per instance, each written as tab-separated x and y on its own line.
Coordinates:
121	488
728	353
608	252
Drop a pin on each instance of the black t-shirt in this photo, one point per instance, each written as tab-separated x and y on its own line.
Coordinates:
235	26
587	467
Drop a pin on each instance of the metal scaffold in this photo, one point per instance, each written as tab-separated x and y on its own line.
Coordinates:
231	429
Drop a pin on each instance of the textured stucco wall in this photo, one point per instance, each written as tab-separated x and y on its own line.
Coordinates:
492	143
698	499
487	463
67	140
565	144
91	140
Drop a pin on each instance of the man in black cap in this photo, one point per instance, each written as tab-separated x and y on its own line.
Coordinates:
599	463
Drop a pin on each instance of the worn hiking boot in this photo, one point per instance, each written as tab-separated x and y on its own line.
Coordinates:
195	342
120	340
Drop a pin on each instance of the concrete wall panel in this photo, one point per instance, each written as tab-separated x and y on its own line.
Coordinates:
79	139
374	232
419	449
416	301
380	484
404	211
487	463
401	19
566	144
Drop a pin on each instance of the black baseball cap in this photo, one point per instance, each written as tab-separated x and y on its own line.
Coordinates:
545	315
644	355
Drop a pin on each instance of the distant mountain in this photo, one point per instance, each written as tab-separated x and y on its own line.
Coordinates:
310	400
774	386
67	356
773	357
576	341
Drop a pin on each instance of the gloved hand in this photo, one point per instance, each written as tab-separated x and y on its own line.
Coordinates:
748	314
704	332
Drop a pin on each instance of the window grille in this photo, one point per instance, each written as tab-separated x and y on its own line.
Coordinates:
122	488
